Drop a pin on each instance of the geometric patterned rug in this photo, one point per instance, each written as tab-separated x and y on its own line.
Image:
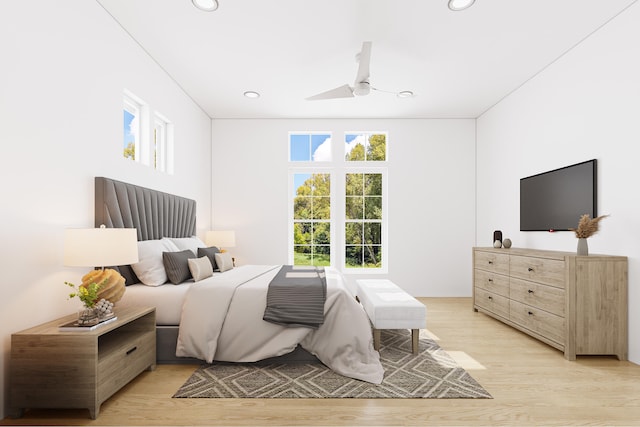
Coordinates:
431	374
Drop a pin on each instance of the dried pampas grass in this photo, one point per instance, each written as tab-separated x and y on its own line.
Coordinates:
587	227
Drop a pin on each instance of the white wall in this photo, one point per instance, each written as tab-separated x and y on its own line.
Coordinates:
65	65
584	106
431	173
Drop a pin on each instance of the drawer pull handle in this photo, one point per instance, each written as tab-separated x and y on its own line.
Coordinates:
529	269
490	280
490	262
530	313
530	291
491	298
132	350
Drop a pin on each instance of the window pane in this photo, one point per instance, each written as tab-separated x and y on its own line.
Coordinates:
354	207
373	208
353	233
365	147
321	233
377	147
372	233
322	256
321	208
321	148
354	185
302	208
353	256
372	184
130	134
302	255
302	233
355	147
372	257
320	184
300	148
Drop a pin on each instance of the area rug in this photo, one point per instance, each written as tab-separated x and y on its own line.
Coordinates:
431	374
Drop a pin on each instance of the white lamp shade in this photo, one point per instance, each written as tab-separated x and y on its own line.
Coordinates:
221	238
100	247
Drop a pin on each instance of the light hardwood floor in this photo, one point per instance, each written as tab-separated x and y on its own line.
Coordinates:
531	383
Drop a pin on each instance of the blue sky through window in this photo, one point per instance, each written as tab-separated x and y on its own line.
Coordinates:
298	180
128	135
310	147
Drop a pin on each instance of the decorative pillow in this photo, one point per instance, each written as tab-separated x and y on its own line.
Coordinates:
150	268
209	253
191	243
224	261
200	268
177	265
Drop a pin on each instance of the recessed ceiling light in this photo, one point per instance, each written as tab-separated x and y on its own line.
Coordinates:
457	5
405	94
206	5
252	94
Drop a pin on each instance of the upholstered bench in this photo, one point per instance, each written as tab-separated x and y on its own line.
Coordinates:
389	307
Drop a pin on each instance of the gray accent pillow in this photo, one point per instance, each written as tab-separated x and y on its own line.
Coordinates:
210	253
176	264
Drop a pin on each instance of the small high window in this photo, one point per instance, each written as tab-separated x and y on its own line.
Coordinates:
310	147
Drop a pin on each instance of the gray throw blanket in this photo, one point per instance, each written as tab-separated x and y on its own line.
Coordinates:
296	297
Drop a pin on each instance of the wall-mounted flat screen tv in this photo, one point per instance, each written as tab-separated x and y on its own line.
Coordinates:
555	200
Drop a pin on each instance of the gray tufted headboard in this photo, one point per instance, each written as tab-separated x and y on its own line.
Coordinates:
153	213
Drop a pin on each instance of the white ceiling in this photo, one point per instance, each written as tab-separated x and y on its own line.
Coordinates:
458	64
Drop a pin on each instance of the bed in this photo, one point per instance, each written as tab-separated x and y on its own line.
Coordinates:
220	317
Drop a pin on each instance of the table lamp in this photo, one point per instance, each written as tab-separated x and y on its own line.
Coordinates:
221	239
100	247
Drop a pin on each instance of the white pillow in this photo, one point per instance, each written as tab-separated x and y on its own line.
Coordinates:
150	267
224	261
200	268
192	243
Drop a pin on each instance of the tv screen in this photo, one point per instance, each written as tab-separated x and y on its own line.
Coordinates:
555	200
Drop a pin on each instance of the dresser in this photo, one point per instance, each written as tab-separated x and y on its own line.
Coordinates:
577	304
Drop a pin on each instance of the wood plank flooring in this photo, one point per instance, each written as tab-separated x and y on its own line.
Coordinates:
532	385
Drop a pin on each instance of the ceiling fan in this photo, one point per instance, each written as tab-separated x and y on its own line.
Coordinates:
361	86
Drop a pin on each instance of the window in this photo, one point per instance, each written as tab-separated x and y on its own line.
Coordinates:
131	131
310	147
363	220
365	147
337	209
312	219
162	138
144	142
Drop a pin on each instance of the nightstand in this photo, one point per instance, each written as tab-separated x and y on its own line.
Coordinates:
54	369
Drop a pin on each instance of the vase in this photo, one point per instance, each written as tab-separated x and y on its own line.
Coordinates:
583	247
87	316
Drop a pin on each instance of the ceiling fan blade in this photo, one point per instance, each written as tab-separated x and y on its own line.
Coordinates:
344	91
364	58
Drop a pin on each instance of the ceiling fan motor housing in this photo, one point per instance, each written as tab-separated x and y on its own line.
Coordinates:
362	88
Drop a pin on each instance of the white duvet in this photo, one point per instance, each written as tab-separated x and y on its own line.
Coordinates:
222	320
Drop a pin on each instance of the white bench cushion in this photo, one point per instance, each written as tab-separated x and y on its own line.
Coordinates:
388	306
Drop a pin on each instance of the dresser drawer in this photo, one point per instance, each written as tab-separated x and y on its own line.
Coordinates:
544	297
491	261
494	303
492	282
542	322
542	270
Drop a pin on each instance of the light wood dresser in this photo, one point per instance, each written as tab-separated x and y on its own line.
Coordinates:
54	369
577	304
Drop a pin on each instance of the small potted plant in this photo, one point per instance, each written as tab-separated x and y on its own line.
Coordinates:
587	227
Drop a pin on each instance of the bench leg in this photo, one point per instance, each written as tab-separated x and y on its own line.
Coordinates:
376	339
415	335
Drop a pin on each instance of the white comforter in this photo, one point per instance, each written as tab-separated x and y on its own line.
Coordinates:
222	320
